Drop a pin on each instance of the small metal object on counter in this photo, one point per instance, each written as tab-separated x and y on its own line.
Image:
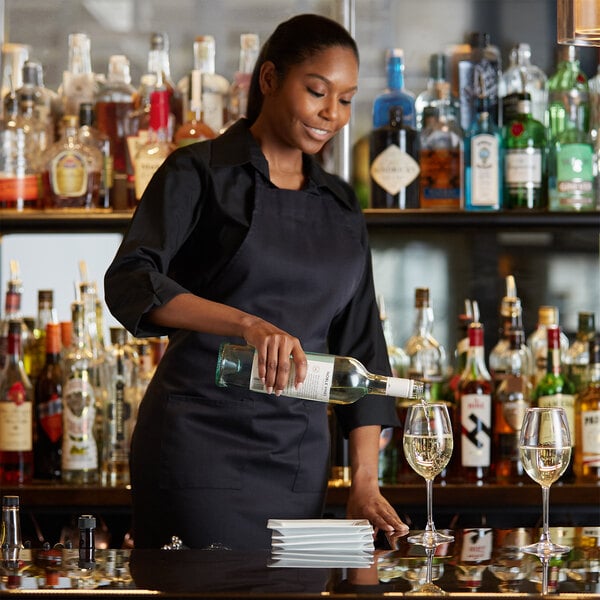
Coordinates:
175	544
87	541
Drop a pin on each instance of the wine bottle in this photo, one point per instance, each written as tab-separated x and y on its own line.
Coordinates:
473	415
335	379
16	415
48	410
587	424
576	359
554	389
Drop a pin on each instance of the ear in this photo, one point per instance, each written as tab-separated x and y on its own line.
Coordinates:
268	78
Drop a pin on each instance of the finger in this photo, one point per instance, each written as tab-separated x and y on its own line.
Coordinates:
271	366
283	369
300	364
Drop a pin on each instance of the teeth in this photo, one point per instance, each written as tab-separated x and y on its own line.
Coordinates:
319	131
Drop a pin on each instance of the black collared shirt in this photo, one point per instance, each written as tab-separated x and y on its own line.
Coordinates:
191	220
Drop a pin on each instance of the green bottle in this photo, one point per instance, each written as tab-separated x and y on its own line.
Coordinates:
567	86
524	159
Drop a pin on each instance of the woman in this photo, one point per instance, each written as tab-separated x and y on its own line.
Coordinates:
246	239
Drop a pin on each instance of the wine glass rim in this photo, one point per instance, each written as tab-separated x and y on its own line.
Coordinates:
545	409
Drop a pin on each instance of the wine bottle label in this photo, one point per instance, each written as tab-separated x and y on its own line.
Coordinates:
590	438
399	387
476	429
393	169
513	412
485	176
477	545
49	415
566	401
574	175
523	166
16	429
316	386
145	167
68	174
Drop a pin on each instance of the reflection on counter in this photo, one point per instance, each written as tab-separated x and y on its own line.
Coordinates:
479	560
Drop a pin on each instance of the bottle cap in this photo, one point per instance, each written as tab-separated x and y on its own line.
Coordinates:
118	335
159	40
45	297
548	315
475	334
32	73
586	321
159	109
594	350
86	522
10	501
553	333
421	297
86	114
437	66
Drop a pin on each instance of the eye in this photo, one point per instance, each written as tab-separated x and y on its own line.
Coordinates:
345	102
315	93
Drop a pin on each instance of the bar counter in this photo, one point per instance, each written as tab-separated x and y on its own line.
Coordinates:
481	562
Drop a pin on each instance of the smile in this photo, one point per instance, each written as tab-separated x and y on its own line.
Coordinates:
320	133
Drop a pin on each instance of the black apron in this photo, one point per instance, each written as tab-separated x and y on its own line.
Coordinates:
212	465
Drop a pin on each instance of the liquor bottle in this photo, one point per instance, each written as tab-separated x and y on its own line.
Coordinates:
482	60
72	170
120	408
427	357
79	83
16	415
576	359
538	341
237	104
568	92
441	156
521	77
512	397
79	462
153	153
10	529
587	423
572	167
12	311
473	415
34	353
36	133
524	159
114	101
554	389
394	160
398	358
395	93
90	135
49	409
334	379
483	158
426	102
19	174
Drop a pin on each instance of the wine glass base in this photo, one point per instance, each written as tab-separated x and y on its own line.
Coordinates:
427	589
545	549
429	539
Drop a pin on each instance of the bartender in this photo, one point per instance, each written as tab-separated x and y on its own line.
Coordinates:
246	239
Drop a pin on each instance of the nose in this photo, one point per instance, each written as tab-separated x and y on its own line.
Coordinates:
330	109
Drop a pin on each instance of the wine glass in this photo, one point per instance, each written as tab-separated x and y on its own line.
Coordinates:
428	444
545	447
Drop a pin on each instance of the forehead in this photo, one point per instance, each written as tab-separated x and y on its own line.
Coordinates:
331	62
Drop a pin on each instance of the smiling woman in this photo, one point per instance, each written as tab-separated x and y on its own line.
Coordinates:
243	238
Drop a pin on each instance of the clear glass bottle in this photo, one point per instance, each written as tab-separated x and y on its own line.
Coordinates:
332	379
12	311
426	102
35	349
521	77
594	91
395	93
36	133
72	170
79	450
587	424
427	357
512	397
48	409
524	160
152	154
120	408
441	157
483	159
394	164
472	460
538	340
16	414
576	358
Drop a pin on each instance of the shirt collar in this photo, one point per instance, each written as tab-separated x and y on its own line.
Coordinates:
237	146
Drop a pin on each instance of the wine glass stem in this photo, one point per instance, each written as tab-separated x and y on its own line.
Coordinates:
545	511
429	487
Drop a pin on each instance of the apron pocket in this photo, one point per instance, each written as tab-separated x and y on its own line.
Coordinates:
204	442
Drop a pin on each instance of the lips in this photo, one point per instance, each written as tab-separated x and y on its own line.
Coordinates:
318	133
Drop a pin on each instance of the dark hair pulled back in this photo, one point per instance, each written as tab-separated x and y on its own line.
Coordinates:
293	42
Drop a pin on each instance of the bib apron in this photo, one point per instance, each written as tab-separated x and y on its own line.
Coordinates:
212	465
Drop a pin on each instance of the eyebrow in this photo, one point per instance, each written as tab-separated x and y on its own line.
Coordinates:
327	81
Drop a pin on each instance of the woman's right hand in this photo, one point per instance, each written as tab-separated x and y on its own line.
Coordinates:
274	347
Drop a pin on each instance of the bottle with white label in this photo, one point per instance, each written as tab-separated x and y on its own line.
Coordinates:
80	450
394	160
329	378
472	425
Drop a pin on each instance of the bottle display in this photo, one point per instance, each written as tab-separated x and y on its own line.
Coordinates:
587	425
577	358
16	415
524	160
48	409
334	379
473	415
394	160
554	389
395	93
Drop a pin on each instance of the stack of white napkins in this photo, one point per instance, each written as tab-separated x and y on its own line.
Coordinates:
325	543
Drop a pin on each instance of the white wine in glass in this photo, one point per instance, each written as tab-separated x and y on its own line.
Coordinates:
545	447
428	444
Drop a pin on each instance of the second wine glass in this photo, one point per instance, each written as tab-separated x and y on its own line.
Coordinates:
428	447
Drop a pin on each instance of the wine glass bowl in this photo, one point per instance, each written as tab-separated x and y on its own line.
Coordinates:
428	444
545	447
